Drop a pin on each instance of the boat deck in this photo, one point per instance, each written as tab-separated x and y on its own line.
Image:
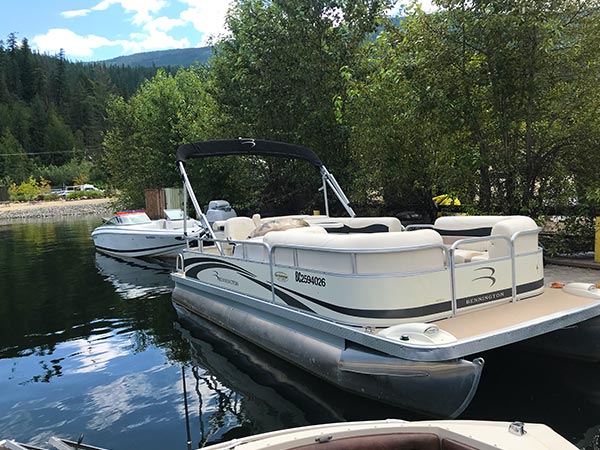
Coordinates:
509	315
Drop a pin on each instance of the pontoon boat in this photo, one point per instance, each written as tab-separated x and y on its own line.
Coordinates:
398	315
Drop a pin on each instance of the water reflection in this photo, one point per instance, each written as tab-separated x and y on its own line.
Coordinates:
135	277
85	341
521	385
239	389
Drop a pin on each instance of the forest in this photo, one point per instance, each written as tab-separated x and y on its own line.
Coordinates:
493	102
53	114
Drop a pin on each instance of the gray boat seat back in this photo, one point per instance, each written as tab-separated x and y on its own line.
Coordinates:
356	224
374	252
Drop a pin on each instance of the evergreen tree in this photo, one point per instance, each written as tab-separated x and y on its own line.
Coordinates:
14	164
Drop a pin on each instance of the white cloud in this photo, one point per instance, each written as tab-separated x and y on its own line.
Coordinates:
151	33
72	43
141	8
206	16
163	24
153	40
84	46
75	13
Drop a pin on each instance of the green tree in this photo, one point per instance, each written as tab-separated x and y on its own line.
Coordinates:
59	142
14	164
145	131
504	95
276	75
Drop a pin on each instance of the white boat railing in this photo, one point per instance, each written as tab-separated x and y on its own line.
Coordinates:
448	254
475	240
510	241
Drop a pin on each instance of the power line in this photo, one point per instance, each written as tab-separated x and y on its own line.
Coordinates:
39	153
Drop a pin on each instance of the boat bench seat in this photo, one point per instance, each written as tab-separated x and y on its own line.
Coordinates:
454	228
258	252
395	441
362	253
507	226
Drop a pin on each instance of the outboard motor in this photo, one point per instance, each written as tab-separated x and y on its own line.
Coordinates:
219	210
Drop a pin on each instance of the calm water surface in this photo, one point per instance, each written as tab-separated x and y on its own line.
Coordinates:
91	344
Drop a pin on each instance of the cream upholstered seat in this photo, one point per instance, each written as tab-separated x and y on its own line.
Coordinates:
523	244
238	228
507	226
333	252
453	228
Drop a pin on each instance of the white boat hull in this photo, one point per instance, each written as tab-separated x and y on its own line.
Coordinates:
135	243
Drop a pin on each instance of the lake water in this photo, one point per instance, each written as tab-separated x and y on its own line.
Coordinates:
91	344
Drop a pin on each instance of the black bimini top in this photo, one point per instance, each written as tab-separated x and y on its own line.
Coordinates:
244	146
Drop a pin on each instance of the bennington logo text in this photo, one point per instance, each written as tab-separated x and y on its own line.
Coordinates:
225	280
310	279
484	298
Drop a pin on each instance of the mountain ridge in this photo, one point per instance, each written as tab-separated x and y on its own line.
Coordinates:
183	57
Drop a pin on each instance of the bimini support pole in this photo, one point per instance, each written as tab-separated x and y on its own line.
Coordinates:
187	242
337	190
188	187
324	188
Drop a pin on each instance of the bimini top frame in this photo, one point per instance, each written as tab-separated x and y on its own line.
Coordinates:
258	147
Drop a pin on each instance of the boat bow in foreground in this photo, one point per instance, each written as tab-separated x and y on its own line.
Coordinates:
397	434
381	434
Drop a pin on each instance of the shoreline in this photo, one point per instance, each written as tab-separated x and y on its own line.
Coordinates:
56	208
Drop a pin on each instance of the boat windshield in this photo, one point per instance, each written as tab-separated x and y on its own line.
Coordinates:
130	218
174	214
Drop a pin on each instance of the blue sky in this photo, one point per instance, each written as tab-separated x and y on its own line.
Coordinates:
91	30
94	30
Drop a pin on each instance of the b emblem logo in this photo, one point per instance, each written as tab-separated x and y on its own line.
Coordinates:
489	276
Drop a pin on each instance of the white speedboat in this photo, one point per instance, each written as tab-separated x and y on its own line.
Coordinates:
392	314
134	234
397	434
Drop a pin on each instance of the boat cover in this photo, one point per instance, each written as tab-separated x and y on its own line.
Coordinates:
246	147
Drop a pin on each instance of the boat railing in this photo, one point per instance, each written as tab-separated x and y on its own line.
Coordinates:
269	257
179	263
222	244
513	239
352	253
510	242
476	240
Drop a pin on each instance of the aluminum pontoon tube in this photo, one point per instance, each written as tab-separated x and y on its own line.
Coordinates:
436	388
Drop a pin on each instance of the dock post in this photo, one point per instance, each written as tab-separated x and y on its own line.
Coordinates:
597	241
